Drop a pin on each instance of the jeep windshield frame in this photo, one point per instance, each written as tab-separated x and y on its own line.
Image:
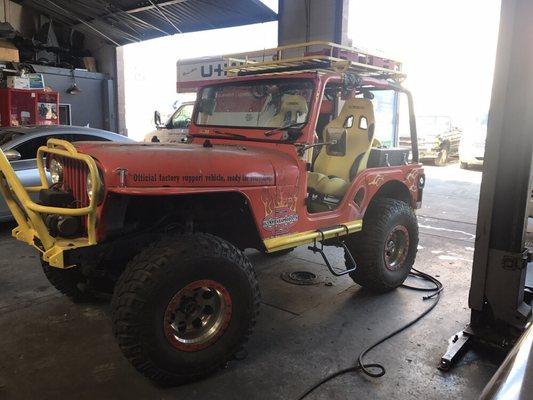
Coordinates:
265	96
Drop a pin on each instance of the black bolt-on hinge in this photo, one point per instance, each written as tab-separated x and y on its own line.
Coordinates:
516	261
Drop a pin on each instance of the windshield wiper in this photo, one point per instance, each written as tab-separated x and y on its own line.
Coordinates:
237	135
282	128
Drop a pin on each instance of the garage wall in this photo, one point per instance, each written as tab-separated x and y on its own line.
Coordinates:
109	60
96	105
93	105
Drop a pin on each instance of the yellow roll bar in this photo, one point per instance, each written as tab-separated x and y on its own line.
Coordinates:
28	214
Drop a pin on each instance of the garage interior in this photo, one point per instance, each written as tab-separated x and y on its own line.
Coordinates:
473	239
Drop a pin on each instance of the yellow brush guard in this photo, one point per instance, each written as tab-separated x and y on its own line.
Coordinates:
31	228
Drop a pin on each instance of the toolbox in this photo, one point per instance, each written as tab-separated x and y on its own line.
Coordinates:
20	107
387	157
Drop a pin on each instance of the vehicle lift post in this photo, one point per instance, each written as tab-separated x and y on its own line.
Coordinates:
498	311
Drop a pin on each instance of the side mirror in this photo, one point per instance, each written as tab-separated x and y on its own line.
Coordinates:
157	119
13	155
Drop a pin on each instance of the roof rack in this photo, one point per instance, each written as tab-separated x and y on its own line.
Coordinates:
312	56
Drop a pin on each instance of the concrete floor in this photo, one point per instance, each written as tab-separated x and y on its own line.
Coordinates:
54	349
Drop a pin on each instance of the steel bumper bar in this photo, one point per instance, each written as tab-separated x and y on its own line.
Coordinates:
31	228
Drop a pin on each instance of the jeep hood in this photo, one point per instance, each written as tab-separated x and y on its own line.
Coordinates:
191	165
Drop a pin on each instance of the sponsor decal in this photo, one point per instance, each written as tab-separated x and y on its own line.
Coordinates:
280	213
378	179
411	181
280	218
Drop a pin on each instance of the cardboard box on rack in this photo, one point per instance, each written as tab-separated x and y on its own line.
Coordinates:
90	64
8	52
18	82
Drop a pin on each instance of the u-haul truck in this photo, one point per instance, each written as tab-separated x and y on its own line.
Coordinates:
191	74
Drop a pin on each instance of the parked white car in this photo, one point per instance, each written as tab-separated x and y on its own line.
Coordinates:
472	145
175	130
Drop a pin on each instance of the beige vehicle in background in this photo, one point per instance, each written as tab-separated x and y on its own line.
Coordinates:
176	129
438	139
472	146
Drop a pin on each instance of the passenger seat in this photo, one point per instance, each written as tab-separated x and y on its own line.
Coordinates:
337	164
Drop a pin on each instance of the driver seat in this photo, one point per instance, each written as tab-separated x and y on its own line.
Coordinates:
292	106
337	164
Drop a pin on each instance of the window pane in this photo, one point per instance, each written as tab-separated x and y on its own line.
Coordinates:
182	117
384	110
28	149
256	104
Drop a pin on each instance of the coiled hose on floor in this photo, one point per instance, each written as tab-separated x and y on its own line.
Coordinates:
376	370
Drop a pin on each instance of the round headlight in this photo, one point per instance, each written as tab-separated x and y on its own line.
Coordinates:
56	171
89	186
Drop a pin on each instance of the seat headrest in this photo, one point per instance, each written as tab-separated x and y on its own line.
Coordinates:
358	106
293	103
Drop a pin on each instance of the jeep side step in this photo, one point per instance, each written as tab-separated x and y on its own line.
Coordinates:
292	240
315	249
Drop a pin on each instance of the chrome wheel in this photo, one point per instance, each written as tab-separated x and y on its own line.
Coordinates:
197	315
396	247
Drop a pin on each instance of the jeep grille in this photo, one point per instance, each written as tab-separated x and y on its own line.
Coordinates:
75	180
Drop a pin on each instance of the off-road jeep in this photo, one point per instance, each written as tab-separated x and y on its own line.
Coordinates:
281	154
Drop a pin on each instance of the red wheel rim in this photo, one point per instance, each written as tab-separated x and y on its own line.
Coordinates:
197	315
396	248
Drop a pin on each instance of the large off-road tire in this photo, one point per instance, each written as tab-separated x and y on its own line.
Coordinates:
385	249
71	282
184	307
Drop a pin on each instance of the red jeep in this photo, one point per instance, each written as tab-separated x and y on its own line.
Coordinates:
280	155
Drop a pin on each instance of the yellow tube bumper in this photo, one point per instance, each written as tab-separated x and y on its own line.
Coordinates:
31	228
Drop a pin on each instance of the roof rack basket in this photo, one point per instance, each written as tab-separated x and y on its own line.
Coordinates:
315	55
